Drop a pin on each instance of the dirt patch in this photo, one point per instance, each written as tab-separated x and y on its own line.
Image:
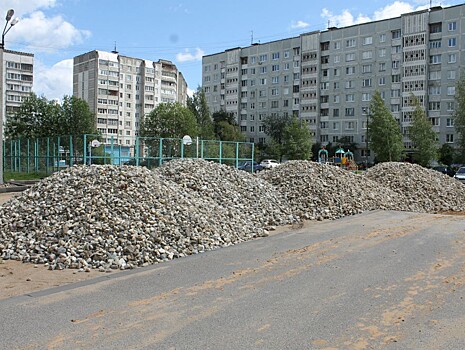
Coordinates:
17	278
450	212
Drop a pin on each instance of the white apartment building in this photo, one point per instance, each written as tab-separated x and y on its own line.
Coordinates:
327	78
16	74
120	90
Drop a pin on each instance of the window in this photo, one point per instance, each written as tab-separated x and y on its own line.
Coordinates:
275	92
395	64
335	85
336	98
350	112
349	125
452	42
451	74
337	45
274	104
350	57
275	56
435	44
434	106
382	81
435	59
450	138
350	98
452	58
382	38
335	112
350	84
275	68
351	43
286	54
396	78
449	122
396	49
337	58
337	72
366	82
452	26
286	66
395	93
367	55
366	97
382	52
396	34
335	125
263	70
366	68
434	90
350	70
451	90
435	28
382	66
368	40
275	80
434	75
450	106
263	81
263	58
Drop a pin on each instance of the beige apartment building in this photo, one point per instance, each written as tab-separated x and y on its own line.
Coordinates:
120	90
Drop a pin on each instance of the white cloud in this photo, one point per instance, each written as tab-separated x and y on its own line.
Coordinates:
47	34
299	25
191	92
23	8
54	82
394	9
188	56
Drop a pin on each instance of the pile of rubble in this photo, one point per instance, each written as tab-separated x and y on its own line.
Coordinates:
122	217
110	217
424	190
320	191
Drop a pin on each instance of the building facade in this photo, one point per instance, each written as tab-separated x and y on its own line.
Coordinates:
16	74
327	78
120	90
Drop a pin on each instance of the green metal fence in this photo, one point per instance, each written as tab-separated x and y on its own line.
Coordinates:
50	154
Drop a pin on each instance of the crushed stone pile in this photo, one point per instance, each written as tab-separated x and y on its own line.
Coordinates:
424	190
321	191
119	217
122	217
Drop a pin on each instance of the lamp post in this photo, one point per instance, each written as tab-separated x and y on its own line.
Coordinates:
366	111
8	25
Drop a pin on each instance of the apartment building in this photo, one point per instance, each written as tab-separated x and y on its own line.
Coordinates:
16	73
327	78
120	90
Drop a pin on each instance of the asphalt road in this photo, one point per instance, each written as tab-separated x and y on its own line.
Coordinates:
380	280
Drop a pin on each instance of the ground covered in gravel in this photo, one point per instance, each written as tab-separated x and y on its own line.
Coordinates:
112	217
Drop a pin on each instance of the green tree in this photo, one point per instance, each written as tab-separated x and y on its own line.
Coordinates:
446	154
459	117
297	140
197	104
422	134
384	132
169	120
274	126
29	120
75	118
226	128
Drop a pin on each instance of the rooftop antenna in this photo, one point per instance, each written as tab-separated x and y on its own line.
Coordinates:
328	24
114	50
251	37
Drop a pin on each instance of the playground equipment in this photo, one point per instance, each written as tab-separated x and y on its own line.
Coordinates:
323	155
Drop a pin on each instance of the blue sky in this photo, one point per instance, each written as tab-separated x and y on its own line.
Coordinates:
179	31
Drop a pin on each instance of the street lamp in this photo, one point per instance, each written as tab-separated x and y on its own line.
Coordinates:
8	17
366	111
6	29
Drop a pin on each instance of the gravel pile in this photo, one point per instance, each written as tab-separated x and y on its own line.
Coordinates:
320	191
121	217
424	190
111	217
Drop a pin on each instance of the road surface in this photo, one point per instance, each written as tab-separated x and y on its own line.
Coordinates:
380	280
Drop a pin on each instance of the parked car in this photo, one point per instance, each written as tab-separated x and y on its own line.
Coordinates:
247	166
445	170
269	163
460	174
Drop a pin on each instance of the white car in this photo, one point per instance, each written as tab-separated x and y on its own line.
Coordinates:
460	175
269	163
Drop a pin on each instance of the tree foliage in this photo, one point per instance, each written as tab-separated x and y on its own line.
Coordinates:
225	127
459	116
169	120
384	132
197	104
274	126
38	117
297	140
422	134
446	154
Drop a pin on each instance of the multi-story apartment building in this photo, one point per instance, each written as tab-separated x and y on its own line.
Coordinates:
16	73
327	78
120	90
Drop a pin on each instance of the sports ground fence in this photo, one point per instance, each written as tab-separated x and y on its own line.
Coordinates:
50	154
